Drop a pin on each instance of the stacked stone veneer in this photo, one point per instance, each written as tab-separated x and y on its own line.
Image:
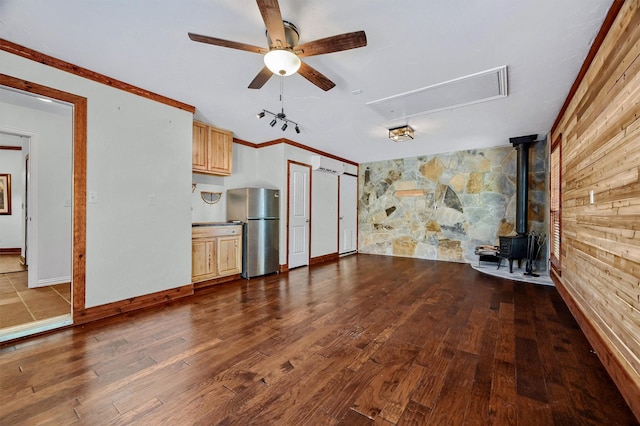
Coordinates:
442	206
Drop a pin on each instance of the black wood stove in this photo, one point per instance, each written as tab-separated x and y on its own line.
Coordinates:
512	248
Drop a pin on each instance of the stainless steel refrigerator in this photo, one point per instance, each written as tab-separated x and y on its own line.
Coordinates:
258	209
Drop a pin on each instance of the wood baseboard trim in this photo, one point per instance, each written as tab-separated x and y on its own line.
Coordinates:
283	268
11	250
204	284
324	258
620	376
131	304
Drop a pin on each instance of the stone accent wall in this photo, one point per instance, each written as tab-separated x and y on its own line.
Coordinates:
441	207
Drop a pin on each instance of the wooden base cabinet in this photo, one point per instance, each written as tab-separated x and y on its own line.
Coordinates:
203	260
229	255
216	252
212	150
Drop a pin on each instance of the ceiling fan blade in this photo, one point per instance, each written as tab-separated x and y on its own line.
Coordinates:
263	76
316	77
332	44
270	11
227	43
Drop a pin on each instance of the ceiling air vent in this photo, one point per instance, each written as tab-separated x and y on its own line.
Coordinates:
471	89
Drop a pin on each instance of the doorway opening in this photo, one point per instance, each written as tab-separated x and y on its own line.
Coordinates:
47	239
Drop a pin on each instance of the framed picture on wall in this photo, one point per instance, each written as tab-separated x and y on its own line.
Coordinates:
5	193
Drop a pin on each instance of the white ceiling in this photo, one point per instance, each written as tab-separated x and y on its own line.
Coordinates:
411	44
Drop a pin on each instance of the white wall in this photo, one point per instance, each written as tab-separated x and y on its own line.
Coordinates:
137	149
244	175
11	226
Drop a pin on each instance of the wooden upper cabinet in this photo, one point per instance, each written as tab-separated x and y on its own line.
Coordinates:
212	150
220	142
199	160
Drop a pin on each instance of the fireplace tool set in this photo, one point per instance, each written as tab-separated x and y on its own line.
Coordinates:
534	245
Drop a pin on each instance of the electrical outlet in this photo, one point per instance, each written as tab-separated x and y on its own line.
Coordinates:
151	199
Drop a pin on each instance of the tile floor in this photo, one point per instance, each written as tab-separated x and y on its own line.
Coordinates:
21	305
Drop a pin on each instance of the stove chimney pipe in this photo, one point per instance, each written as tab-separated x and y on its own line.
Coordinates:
522	144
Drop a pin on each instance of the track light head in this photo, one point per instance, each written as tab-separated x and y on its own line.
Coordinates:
284	127
273	122
297	129
260	114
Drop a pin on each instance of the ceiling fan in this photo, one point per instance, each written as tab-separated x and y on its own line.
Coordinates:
283	54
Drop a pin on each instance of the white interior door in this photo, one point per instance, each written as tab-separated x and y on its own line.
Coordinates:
348	214
299	216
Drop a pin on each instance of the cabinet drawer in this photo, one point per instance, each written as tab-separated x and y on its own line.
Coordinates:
215	231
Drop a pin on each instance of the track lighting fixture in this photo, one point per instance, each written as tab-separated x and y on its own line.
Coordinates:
281	116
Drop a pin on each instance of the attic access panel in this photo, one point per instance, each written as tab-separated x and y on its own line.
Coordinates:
480	87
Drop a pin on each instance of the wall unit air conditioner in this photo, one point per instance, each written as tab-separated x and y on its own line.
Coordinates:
326	164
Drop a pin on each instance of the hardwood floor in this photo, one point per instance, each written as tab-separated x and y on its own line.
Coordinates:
359	341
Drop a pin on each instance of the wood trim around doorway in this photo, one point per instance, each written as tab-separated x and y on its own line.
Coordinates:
78	264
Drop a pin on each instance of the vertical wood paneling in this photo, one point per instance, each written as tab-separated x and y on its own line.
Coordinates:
600	252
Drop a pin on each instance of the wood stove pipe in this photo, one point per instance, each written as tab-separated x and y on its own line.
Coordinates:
522	144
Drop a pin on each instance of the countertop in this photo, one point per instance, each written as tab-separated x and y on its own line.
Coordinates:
216	224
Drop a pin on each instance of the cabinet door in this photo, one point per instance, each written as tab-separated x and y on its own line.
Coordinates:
229	255
199	154
203	253
219	156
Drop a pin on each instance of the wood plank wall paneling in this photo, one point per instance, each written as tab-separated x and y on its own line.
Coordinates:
600	251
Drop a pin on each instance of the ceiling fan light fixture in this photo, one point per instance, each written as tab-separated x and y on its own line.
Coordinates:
402	133
282	62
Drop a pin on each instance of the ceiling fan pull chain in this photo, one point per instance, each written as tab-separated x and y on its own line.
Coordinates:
281	95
